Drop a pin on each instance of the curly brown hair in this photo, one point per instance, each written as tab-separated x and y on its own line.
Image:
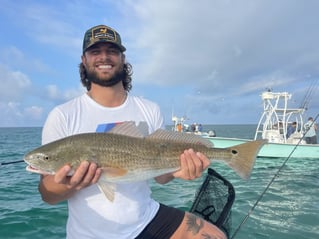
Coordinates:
127	80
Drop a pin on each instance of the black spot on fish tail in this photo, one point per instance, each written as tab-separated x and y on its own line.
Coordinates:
234	151
244	156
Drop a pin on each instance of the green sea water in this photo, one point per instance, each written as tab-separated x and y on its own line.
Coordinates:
289	208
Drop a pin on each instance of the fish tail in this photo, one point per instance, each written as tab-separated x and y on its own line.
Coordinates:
244	157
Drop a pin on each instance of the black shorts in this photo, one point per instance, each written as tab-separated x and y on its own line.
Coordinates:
164	224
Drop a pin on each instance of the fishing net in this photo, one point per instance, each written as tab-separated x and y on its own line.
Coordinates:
213	201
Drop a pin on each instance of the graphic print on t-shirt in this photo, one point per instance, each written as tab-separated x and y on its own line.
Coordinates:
103	128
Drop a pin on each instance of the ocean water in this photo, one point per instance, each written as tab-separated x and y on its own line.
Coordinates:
288	209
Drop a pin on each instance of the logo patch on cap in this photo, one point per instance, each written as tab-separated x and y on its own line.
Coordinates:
101	33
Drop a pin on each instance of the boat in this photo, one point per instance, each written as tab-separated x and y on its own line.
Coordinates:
179	125
273	126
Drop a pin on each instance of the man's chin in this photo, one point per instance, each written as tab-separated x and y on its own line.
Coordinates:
107	82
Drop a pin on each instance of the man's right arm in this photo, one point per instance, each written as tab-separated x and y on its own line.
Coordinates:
60	187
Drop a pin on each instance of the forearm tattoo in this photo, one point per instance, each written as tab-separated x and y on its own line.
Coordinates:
206	236
195	224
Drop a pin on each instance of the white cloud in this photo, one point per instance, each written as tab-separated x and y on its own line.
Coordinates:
228	50
53	92
219	45
56	94
47	24
12	56
34	112
13	113
10	113
14	84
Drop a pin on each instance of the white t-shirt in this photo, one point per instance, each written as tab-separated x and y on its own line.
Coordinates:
91	215
310	129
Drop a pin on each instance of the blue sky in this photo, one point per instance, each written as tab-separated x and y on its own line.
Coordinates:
208	60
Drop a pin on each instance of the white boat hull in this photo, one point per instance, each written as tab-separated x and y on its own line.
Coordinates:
272	150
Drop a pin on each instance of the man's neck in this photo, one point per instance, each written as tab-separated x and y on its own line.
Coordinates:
108	96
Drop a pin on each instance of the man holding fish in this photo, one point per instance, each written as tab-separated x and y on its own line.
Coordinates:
105	209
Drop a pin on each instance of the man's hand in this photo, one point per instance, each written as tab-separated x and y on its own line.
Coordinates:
60	187
85	175
192	165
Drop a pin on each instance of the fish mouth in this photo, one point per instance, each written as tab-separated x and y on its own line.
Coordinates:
32	169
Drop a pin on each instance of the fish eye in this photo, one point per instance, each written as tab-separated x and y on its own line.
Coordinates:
42	157
234	151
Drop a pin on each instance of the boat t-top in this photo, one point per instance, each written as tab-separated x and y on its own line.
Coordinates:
276	119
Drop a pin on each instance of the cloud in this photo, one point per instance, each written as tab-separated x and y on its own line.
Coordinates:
16	114
14	57
33	112
14	84
225	46
23	104
47	24
10	113
54	93
209	57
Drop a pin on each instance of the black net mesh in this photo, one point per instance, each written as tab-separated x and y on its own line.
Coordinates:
214	200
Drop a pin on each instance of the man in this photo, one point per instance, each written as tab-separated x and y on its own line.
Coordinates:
311	131
291	129
133	213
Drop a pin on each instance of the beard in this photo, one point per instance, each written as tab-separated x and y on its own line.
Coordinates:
92	76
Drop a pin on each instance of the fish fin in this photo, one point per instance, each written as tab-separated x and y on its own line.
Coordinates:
107	188
180	137
244	157
129	128
143	128
114	172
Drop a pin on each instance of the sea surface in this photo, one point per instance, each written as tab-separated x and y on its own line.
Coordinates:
288	209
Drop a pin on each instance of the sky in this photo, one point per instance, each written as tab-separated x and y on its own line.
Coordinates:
206	60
